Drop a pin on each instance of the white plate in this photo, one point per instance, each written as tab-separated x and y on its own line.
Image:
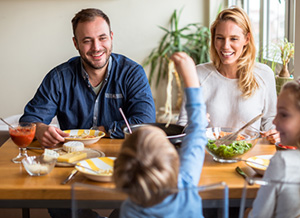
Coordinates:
91	153
75	135
261	159
100	163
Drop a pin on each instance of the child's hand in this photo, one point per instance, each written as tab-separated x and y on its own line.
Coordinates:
185	66
272	136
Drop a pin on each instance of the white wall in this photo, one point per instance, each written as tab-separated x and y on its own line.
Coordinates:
36	36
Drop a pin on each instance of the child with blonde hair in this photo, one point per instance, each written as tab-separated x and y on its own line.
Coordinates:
283	200
149	169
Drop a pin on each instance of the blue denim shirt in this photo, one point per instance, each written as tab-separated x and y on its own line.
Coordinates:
185	203
67	93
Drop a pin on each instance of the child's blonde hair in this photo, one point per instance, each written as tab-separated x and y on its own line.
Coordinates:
147	166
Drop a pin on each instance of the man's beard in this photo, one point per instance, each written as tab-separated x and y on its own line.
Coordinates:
97	67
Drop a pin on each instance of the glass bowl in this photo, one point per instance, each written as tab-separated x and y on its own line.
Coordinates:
230	153
38	166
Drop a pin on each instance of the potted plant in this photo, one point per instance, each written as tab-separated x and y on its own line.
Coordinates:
192	39
286	50
280	52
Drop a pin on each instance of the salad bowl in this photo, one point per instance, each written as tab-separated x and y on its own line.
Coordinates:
233	152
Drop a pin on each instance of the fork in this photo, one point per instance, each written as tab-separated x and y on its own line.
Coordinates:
228	139
95	171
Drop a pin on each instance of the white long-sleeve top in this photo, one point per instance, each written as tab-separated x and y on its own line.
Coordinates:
281	200
224	101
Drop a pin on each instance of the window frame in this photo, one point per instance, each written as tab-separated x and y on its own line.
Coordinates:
290	6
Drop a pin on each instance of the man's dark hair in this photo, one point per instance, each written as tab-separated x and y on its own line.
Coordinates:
89	14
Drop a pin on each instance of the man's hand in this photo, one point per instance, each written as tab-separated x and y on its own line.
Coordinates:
101	128
272	136
49	136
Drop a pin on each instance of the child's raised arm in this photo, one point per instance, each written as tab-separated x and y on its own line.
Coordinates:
185	66
192	150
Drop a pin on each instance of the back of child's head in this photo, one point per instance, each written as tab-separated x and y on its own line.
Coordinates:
147	166
294	89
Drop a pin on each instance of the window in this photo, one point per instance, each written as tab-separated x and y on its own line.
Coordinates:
272	22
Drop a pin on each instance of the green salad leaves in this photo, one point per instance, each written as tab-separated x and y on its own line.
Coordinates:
227	151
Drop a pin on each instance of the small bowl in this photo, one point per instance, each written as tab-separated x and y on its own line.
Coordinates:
228	156
38	166
173	131
281	147
86	136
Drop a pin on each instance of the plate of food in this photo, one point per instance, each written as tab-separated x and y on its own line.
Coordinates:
86	136
99	169
71	153
260	159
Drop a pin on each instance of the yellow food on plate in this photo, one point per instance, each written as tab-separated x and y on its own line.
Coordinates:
72	157
105	172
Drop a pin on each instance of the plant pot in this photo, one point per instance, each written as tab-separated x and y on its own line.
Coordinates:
284	71
280	81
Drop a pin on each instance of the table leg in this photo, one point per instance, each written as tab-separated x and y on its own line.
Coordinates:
25	212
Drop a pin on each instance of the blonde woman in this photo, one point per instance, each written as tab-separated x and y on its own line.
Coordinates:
235	87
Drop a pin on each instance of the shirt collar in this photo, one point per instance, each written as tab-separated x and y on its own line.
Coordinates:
86	76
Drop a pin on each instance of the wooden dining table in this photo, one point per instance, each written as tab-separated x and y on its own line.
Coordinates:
20	190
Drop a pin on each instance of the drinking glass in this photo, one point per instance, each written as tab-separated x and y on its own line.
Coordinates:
22	135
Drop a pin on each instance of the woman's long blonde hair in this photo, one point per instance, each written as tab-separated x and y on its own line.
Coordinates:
247	82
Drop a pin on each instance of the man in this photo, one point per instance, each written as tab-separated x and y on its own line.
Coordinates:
87	91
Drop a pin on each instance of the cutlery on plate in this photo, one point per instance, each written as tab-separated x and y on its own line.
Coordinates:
88	168
249	161
71	176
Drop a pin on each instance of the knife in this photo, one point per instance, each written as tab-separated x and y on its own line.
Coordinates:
241	172
71	176
244	175
35	148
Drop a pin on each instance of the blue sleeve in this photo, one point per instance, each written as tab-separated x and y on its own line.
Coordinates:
139	106
43	106
192	150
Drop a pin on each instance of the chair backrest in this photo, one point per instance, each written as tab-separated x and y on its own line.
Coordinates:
275	198
98	197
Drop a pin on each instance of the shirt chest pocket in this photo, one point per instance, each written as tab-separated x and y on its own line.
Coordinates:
113	96
114	100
